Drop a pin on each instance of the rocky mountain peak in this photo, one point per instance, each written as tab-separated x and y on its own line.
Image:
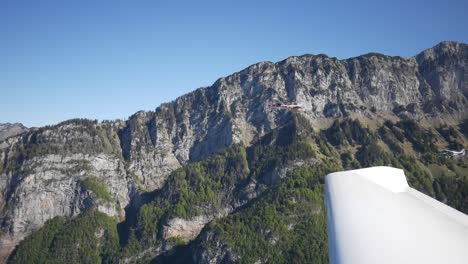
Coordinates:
455	50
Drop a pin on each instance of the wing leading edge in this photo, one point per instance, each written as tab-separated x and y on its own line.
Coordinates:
375	217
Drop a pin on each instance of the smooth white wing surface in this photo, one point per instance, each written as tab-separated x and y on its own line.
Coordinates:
375	217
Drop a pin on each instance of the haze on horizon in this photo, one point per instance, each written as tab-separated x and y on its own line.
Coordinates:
109	59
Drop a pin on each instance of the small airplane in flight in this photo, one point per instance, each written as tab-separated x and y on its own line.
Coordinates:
453	153
279	104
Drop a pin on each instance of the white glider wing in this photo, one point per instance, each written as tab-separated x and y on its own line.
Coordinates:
374	217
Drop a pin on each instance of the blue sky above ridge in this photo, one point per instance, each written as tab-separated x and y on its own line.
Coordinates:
109	59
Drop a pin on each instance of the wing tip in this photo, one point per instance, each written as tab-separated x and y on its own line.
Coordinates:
390	178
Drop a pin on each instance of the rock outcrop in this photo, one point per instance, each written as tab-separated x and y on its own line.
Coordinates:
8	130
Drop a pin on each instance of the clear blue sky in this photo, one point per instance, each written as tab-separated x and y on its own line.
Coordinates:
108	59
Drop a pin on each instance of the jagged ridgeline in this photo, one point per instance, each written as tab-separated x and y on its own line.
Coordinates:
218	177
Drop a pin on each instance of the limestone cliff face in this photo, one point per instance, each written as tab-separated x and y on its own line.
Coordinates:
234	109
44	172
444	69
59	171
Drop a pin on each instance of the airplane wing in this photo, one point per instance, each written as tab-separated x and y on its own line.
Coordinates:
375	217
